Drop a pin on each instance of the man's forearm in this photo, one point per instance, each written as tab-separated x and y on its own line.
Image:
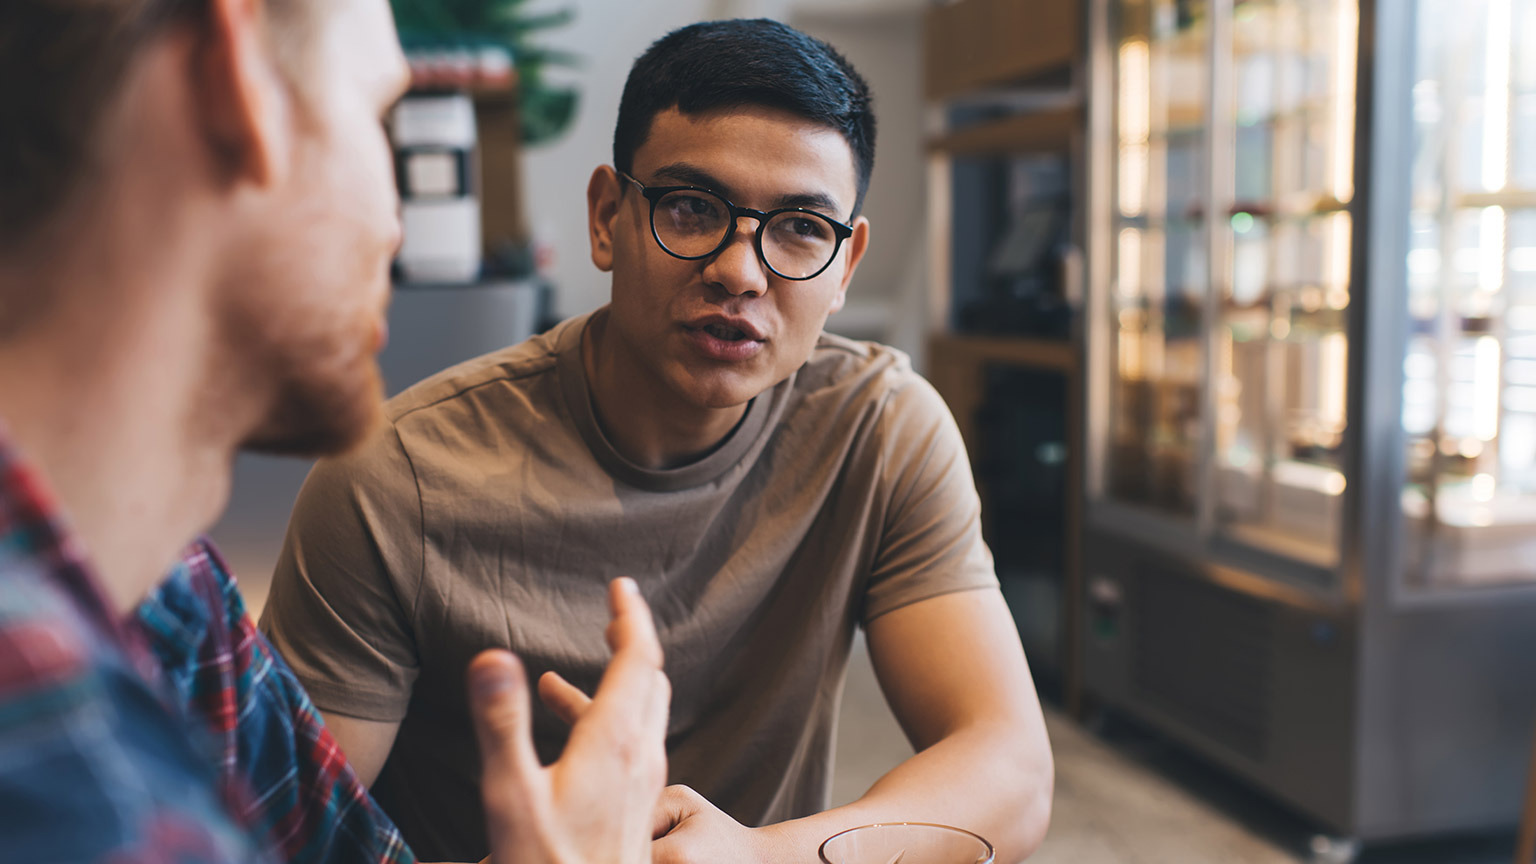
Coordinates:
985	779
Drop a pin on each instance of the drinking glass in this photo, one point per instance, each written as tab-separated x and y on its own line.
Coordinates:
906	843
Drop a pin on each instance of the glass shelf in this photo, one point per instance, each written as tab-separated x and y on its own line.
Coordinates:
1280	363
1160	278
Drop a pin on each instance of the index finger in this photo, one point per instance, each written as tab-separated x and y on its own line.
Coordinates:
632	674
632	627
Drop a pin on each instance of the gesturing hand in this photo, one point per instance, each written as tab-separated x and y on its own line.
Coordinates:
596	804
688	828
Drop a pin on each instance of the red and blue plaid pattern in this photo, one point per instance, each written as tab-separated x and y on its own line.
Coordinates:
308	802
96	761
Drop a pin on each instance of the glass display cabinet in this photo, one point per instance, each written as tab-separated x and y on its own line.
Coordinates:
1158	226
1257	193
1311	529
1469	370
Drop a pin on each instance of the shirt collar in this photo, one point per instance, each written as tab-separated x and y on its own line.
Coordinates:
34	529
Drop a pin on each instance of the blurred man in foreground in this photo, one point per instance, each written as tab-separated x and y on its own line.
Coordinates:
196	220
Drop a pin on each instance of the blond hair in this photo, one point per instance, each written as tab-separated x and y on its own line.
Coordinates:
62	65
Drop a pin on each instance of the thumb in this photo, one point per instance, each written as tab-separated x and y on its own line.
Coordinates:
663	819
673	808
498	695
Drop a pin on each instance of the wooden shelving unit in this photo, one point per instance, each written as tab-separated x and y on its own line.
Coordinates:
976	44
957	364
1022	63
1041	132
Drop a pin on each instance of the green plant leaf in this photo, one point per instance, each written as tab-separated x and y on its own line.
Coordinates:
422	16
546	110
551	57
546	21
546	113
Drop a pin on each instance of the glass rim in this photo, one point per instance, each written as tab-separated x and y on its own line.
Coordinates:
821	851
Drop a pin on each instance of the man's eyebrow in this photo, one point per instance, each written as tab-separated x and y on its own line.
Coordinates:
692	175
810	201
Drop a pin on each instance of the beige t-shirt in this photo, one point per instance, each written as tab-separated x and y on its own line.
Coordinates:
491	512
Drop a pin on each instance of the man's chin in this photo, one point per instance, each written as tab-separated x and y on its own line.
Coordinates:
311	423
723	390
310	443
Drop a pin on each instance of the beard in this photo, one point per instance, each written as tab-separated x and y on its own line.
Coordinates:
320	385
319	410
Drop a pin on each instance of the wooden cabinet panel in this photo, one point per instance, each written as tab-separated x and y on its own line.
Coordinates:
976	44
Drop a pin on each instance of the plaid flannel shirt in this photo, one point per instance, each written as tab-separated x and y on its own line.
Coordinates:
176	737
96	763
307	801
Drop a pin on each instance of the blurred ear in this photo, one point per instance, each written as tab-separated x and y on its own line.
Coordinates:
854	247
604	191
243	101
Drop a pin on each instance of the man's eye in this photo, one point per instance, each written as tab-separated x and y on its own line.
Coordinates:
692	208
695	205
804	228
809	227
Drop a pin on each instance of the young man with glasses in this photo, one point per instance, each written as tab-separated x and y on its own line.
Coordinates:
772	488
197	217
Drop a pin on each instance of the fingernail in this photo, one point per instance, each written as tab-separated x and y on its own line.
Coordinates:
489	682
629	585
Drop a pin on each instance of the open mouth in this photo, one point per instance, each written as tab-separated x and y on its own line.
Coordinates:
724	333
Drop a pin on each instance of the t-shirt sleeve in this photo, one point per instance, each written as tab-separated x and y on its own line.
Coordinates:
344	592
930	542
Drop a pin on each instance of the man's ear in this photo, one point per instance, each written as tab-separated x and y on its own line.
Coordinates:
854	247
242	99
603	193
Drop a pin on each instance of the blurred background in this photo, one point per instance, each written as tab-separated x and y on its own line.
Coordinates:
1235	304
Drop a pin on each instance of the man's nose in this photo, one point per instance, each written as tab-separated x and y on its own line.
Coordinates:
737	267
396	229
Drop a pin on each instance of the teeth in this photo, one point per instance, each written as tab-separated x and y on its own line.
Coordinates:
720	331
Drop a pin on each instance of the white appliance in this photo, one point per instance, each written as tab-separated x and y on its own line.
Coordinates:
434	140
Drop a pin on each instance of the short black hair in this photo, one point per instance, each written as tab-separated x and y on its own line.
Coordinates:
738	63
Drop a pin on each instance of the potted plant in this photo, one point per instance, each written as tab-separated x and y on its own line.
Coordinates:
451	45
545	109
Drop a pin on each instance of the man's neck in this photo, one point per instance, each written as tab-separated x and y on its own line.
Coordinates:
645	422
104	404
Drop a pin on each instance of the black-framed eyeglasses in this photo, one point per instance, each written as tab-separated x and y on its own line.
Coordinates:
691	222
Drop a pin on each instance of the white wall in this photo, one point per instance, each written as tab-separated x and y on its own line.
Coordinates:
609	35
881	38
887	299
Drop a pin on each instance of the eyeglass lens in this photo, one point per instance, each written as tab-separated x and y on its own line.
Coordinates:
692	224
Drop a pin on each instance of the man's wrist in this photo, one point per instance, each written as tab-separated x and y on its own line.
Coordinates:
784	843
799	840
